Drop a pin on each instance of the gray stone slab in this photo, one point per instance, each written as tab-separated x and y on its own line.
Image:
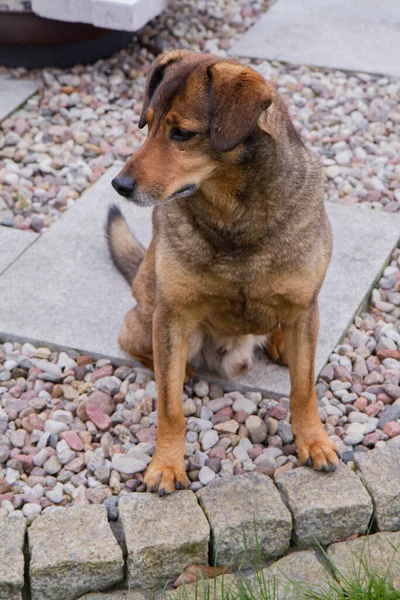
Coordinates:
363	240
12	535
73	551
357	559
13	93
219	588
352	35
380	472
252	525
288	577
163	536
326	507
13	242
65	292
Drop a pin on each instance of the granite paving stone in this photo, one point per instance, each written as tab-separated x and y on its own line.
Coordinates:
220	588
245	513
12	535
286	577
35	288
115	595
326	507
13	93
380	472
73	551
162	536
337	34
378	553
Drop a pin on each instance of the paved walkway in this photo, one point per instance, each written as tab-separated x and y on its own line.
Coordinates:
340	34
13	93
79	300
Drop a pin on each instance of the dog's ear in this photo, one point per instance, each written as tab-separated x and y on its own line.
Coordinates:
155	77
238	97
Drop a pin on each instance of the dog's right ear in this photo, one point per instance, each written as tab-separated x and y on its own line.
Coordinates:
155	77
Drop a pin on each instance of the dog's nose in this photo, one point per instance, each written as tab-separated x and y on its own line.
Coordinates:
124	185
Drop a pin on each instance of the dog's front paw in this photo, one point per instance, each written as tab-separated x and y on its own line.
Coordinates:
165	475
316	449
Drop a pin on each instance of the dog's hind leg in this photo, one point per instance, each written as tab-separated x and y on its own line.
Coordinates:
275	346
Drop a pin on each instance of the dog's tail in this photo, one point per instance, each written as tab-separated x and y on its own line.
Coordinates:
125	250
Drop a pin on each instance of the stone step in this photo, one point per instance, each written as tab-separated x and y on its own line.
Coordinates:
337	34
65	292
122	15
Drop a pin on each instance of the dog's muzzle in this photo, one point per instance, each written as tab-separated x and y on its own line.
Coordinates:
125	186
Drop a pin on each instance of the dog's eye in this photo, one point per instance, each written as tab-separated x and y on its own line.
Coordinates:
181	135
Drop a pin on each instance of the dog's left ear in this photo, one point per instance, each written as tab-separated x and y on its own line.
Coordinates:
238	97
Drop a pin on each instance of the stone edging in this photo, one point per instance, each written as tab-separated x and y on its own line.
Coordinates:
74	551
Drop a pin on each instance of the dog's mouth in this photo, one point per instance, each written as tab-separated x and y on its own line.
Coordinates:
184	191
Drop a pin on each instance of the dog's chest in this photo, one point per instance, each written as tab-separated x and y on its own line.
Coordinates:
241	311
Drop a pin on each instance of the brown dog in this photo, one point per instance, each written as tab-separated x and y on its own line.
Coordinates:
241	243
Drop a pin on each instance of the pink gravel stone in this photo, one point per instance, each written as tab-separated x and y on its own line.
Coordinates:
32	422
105	371
255	451
241	416
227	411
342	373
147	434
373	378
7	496
217	452
76	464
372	363
384	398
392	429
370	439
73	440
277	412
26	460
217	419
361	403
15	391
373	409
98	416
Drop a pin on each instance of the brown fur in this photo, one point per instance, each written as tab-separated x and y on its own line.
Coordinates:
241	243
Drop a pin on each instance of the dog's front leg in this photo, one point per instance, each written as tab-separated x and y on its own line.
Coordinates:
313	443
166	473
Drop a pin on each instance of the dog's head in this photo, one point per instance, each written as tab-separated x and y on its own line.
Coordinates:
199	110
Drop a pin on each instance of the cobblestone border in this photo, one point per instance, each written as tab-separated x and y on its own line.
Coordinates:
74	551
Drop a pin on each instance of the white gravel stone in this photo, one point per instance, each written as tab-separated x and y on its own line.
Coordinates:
206	475
124	463
209	439
244	404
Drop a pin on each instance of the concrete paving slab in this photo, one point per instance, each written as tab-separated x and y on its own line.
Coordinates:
65	292
13	93
13	242
339	34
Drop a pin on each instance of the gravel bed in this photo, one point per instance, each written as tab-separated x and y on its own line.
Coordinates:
359	388
78	431
85	119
